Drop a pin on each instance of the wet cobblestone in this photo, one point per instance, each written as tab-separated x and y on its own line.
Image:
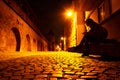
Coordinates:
57	66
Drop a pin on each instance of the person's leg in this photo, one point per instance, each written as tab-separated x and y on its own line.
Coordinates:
87	46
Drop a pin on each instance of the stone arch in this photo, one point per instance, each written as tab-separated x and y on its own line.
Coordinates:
17	37
28	42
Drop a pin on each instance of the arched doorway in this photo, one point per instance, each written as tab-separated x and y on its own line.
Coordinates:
17	36
28	42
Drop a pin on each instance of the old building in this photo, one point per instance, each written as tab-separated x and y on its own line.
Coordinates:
104	12
19	28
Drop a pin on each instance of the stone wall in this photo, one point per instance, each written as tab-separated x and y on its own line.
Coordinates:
16	34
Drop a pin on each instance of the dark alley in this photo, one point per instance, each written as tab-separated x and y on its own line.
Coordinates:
59	40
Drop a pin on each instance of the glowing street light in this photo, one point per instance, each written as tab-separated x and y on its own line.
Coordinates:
64	42
62	38
69	13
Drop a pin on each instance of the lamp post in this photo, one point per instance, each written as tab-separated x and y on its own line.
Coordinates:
63	39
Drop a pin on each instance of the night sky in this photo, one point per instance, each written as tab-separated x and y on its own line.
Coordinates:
50	15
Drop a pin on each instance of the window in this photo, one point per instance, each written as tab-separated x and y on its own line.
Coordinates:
104	10
101	12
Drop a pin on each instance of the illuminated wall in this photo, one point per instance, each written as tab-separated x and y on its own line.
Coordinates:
80	26
115	5
16	34
73	35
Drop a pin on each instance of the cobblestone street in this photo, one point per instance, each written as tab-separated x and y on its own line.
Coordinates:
56	66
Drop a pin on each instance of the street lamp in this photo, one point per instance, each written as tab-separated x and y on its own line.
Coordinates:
63	39
69	13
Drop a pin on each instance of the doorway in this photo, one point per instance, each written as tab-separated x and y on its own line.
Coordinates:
17	37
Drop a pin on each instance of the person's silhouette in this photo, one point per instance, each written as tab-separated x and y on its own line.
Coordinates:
96	34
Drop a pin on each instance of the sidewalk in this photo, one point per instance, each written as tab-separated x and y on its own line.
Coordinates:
56	66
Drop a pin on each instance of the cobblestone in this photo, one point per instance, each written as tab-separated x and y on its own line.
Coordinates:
56	66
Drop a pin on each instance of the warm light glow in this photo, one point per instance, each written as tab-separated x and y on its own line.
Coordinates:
69	13
73	32
73	24
58	48
88	28
62	38
64	42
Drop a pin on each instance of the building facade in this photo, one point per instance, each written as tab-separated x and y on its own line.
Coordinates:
19	28
104	12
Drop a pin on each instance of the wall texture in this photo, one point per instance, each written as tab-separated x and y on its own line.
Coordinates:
16	34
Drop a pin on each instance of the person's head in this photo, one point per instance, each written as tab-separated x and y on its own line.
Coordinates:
89	22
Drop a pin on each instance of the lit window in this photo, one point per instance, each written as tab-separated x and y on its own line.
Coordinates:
101	12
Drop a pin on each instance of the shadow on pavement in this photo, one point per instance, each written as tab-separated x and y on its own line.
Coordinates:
109	58
105	58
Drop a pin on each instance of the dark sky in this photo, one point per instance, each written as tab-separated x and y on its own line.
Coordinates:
50	14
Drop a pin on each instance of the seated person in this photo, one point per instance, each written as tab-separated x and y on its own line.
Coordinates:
96	34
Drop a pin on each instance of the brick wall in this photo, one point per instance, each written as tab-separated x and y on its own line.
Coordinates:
15	33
